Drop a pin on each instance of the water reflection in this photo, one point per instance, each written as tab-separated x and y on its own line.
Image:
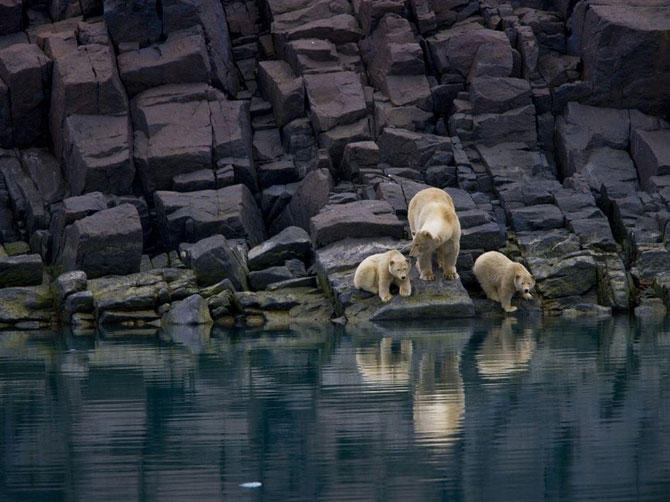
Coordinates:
474	410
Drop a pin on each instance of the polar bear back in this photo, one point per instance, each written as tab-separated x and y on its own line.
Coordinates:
429	204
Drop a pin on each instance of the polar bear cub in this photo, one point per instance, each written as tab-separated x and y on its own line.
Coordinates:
378	271
500	278
435	228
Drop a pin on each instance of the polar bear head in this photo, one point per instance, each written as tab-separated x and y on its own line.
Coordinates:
399	266
424	242
523	280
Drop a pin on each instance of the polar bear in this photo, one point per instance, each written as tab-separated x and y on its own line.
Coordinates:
378	271
500	278
435	228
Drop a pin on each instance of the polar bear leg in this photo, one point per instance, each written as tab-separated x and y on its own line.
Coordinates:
425	266
447	254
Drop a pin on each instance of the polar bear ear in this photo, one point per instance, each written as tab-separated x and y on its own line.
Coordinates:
391	262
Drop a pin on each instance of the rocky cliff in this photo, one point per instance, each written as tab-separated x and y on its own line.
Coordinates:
234	160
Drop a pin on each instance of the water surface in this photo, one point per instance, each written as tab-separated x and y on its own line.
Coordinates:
500	410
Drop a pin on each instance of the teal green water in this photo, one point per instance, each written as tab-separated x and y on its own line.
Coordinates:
503	410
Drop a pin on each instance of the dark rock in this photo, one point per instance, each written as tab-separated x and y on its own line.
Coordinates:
594	233
564	277
355	219
26	201
653	262
135	21
581	129
334	99
79	302
273	173
190	311
85	82
26	71
198	180
620	45
69	283
292	242
498	94
607	166
261	279
105	243
46	173
399	147
180	14
339	29
335	140
494	128
186	128
357	155
97	154
182	58
312	56
486	236
26	304
22	270
312	194
11	16
262	301
231	211
213	259
540	217
651	152
283	89
267	145
456	49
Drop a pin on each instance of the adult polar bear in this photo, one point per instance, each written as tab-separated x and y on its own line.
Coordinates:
435	228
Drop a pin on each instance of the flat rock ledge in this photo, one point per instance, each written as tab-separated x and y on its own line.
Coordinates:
336	265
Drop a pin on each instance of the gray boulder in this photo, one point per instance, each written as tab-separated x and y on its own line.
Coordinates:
180	14
182	58
334	99
189	311
214	259
134	21
21	270
621	44
283	89
97	154
79	302
403	148
85	82
261	279
581	129
108	242
455	50
358	155
45	171
69	283
312	194
540	217
366	218
189	217
651	152
26	72
564	277
494	128
26	304
292	242
498	94
11	16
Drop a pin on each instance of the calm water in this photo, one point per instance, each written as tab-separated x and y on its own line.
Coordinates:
472	410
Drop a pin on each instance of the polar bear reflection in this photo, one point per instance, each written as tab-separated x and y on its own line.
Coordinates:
439	399
505	353
384	366
437	395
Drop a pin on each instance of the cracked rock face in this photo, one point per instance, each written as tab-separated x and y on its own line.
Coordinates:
286	139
